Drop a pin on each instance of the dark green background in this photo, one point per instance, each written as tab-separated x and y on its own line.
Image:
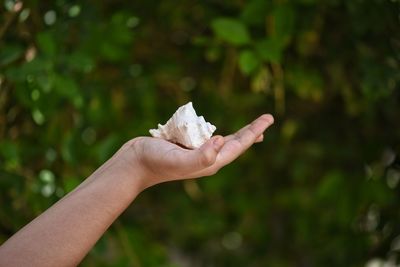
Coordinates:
78	79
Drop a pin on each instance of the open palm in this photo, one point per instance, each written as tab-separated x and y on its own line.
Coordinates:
165	161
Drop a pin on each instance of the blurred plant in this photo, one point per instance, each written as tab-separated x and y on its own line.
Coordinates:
78	79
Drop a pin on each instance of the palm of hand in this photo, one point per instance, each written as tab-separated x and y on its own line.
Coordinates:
165	161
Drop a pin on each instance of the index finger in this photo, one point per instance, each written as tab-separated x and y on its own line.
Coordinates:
236	144
240	141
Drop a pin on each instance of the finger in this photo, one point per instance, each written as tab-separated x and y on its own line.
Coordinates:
233	136
203	157
265	118
237	143
248	135
260	138
243	139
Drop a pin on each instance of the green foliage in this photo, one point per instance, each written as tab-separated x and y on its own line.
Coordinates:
248	61
231	30
77	80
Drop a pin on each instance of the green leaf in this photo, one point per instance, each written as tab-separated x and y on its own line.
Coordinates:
71	183
270	50
67	148
28	69
46	43
255	11
305	82
107	147
9	155
10	53
80	62
329	185
248	61
230	30
65	86
284	18
69	88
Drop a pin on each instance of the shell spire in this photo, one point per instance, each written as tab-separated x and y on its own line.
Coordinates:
185	128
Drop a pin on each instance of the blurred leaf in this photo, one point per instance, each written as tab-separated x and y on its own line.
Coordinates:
10	53
72	92
255	12
270	50
248	61
284	19
330	186
306	83
261	80
71	183
67	148
231	30
107	147
46	43
67	87
29	70
9	155
80	62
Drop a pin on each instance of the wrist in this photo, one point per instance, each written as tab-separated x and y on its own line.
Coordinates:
122	173
130	164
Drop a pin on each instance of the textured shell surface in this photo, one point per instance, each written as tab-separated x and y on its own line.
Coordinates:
185	128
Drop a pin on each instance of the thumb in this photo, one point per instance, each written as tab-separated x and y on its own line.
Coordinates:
204	156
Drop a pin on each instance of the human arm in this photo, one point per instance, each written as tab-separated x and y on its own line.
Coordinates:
65	233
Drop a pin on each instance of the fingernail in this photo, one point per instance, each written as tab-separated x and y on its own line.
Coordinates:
218	142
269	118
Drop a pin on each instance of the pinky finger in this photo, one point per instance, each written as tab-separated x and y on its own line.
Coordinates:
260	138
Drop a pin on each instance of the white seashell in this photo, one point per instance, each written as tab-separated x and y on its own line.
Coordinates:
185	128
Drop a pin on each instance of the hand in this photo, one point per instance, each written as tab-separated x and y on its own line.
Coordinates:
162	161
69	229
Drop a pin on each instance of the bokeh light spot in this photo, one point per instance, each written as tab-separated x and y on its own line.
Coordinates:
46	176
132	22
50	17
35	94
74	11
232	240
38	116
89	136
24	14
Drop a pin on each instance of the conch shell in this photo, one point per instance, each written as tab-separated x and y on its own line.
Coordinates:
185	128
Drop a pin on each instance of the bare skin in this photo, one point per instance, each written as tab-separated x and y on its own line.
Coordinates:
65	233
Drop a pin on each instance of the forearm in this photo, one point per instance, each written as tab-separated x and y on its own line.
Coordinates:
64	234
